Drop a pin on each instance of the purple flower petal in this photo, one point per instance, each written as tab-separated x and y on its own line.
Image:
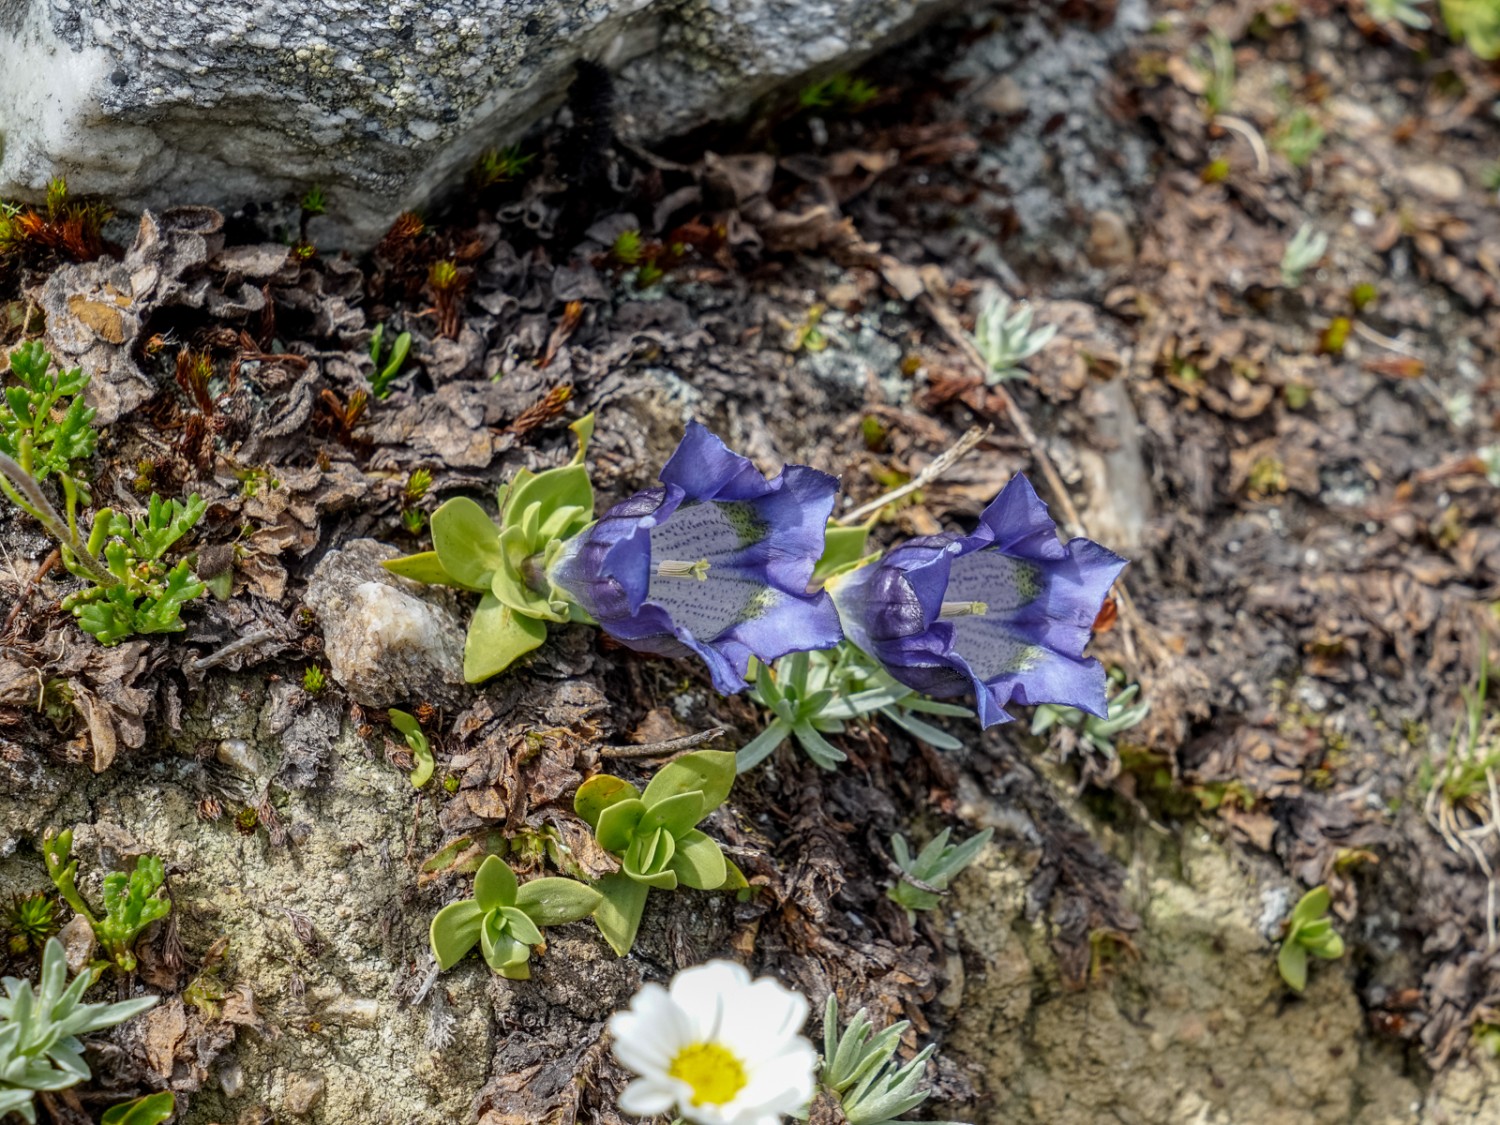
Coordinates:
757	542
1005	612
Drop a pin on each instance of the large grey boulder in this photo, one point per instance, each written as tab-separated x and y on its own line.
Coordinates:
157	102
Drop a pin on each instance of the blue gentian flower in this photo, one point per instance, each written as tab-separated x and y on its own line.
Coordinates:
1005	612
716	562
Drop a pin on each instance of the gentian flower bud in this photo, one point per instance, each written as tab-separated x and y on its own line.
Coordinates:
715	562
1005	612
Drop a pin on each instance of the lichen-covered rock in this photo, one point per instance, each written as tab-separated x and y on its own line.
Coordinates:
388	640
155	102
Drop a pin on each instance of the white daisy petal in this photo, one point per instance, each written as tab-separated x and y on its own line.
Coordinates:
716	1048
645	1098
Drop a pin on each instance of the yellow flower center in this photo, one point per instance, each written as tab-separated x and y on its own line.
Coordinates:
712	1071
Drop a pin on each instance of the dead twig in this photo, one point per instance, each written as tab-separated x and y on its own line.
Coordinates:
662	749
41	572
940	465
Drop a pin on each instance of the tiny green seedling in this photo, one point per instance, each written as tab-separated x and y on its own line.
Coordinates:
1303	252
626	250
416	741
1399	11
1309	932
1475	23
130	901
508	563
505	919
656	838
860	1069
1218	71
839	91
28	921
388	362
1099	733
313	680
500	166
925	876
1005	337
812	694
1298	138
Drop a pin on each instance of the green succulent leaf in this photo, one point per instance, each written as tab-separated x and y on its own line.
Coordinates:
649	860
520	926
421	567
467	543
674	814
1313	904
843	548
618	823
699	862
454	931
1291	962
152	1109
503	951
498	637
599	793
494	885
555	902
711	772
618	916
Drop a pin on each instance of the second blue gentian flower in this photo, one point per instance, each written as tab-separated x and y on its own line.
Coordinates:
1005	612
715	562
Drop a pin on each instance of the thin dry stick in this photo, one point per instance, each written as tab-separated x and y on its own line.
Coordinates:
940	465
234	647
662	749
41	572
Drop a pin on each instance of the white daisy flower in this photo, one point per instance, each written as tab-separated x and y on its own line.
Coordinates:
716	1048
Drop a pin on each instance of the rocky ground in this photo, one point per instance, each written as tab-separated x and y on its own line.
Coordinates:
1297	470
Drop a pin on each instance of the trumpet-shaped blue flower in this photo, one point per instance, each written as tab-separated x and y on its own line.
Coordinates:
716	562
1005	612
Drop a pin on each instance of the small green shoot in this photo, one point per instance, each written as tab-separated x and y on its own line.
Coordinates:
1399	11
1309	932
1475	23
505	919
1304	251
315	202
925	876
626	250
387	364
1216	65
28	921
840	91
416	742
130	901
861	1070
656	838
313	680
1005	337
1098	733
499	166
1298	137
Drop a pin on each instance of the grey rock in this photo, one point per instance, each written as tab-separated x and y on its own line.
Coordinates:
304	1093
154	101
388	640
